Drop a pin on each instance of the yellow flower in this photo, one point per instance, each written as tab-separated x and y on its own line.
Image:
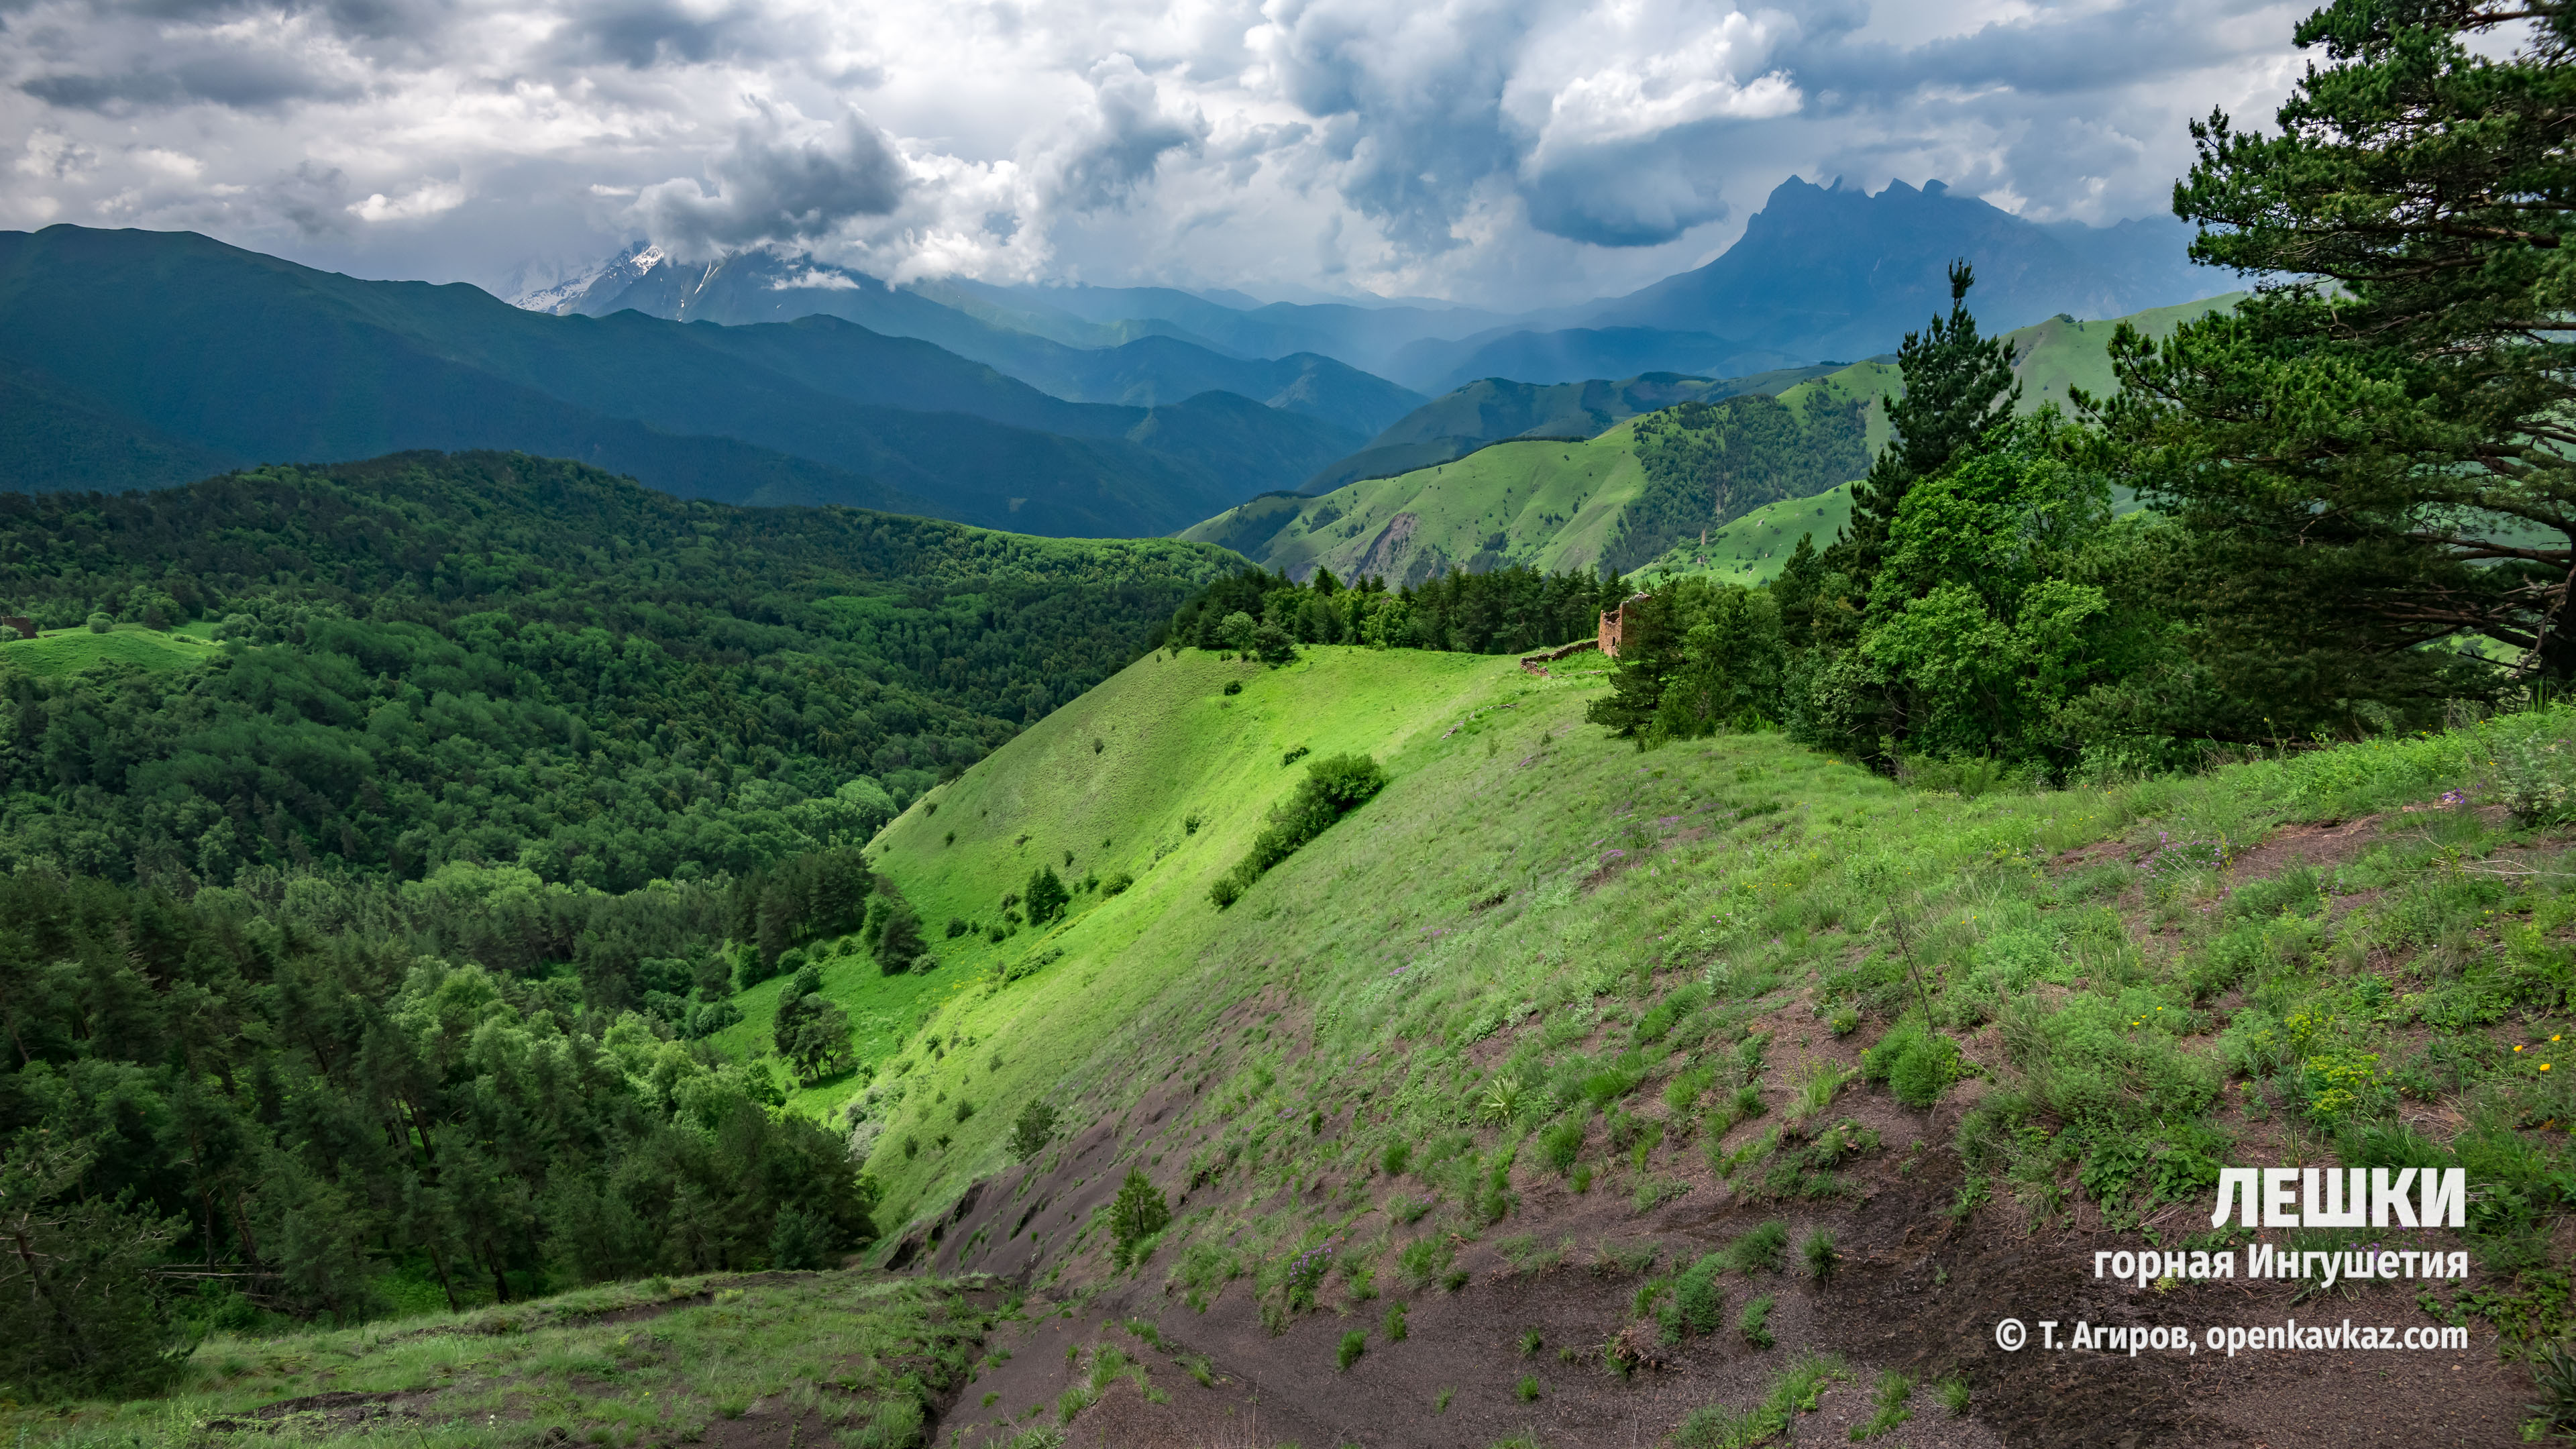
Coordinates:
2544	1066
2517	1048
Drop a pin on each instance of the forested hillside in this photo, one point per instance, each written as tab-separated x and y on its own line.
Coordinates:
508	661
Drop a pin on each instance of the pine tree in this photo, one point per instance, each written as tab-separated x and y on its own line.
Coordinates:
1958	387
2373	452
1046	895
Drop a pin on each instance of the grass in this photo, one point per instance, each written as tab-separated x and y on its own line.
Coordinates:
1794	1392
842	1352
1613	932
1895	1391
69	651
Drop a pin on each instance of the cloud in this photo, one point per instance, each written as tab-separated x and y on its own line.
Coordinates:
779	181
426	200
1128	133
1505	152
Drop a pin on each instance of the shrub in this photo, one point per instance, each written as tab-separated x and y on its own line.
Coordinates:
100	623
1117	883
1229	887
1697	1305
1397	1157
958	926
2535	774
1275	645
965	1109
1395	1329
898	940
1354	1343
1925	1071
1234	686
1293	756
1333	787
1917	1063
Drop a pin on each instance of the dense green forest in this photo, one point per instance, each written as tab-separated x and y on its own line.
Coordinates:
508	662
366	959
1505	611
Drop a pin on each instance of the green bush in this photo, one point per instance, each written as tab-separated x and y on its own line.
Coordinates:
1917	1063
2535	774
1354	1343
1758	1248
1397	1157
100	623
1117	883
1697	1306
1334	786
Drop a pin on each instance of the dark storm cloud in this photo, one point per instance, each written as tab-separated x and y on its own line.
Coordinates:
771	186
1630	196
1128	140
247	82
642	34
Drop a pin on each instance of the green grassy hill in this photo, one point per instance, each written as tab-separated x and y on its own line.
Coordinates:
1545	987
1170	797
1555	505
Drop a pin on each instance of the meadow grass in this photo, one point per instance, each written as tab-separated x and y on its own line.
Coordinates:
863	1355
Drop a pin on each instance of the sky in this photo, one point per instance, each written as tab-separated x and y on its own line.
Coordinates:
1510	154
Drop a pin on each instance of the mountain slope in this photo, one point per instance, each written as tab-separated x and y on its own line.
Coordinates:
1127	362
1546	997
1493	409
248	357
1822	271
1587	504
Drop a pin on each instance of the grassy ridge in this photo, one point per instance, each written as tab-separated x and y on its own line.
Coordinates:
1173	745
1525	881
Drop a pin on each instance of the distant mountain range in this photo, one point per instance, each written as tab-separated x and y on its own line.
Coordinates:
139	359
136	359
1130	361
1821	274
